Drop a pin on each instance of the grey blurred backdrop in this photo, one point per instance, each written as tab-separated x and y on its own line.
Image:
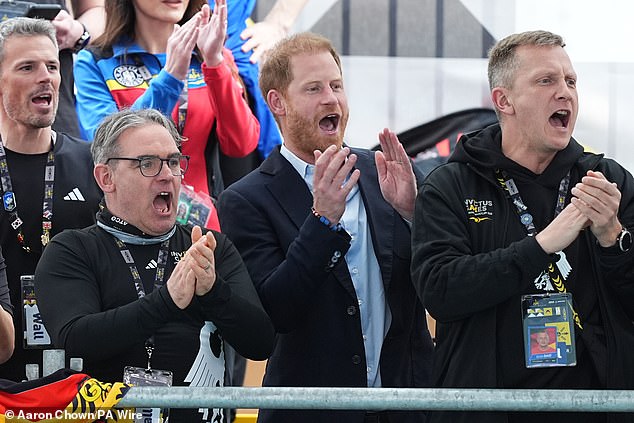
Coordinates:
409	61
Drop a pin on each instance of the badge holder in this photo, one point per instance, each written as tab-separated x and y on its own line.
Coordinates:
549	330
195	208
35	334
138	376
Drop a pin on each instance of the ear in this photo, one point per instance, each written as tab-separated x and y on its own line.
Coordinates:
103	176
276	103
501	101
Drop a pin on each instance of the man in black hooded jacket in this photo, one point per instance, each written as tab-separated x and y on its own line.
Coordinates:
521	210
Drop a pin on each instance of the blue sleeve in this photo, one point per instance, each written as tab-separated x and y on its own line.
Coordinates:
162	94
95	102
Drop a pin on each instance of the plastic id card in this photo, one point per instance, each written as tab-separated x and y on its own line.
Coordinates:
35	334
549	330
138	376
194	208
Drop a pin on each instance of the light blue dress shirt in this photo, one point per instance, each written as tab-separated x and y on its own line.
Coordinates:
364	271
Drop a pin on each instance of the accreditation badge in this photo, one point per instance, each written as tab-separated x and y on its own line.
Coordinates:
138	376
35	334
549	330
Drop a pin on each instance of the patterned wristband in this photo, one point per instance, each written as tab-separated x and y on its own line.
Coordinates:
325	221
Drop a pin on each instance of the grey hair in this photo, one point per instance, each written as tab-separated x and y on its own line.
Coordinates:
502	58
106	141
25	27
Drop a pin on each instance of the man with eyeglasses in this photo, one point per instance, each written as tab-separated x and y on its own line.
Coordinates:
137	290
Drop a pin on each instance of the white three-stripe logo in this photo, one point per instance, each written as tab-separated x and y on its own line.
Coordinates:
74	195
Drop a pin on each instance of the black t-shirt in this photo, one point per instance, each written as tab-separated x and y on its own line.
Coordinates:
76	199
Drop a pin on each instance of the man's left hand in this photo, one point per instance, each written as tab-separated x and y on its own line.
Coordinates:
598	199
396	177
203	262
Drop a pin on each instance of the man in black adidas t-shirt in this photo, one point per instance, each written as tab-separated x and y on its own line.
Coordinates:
37	203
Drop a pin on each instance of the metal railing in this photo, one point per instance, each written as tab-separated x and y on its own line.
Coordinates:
382	399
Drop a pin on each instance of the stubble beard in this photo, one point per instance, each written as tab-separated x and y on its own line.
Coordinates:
25	117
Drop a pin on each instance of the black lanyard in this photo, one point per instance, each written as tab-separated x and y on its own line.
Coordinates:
508	184
10	203
161	263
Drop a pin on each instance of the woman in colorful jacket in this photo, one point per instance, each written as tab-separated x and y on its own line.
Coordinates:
170	56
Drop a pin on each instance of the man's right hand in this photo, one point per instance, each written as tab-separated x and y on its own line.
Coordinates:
563	230
182	283
329	191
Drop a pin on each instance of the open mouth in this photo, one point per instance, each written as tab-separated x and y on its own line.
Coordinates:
560	118
163	202
43	99
330	123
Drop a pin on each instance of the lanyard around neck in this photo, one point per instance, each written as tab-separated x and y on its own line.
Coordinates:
161	263
9	200
508	184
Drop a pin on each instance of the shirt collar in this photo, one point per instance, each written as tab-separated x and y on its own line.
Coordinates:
304	169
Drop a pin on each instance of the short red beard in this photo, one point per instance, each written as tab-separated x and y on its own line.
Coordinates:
303	134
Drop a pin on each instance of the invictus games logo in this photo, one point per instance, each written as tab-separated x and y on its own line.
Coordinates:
177	255
128	75
479	210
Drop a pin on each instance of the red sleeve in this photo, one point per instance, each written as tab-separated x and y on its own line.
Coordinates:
237	128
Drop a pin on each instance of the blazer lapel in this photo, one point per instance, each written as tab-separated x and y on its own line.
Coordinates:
288	188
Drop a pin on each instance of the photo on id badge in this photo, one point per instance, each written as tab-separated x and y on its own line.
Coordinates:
548	330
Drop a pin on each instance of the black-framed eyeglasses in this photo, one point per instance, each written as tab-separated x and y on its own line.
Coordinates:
151	166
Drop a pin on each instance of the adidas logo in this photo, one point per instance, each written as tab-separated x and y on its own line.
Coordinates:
74	195
152	264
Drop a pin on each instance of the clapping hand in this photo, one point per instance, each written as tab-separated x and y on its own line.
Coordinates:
396	176
212	33
203	262
195	273
599	199
180	46
330	187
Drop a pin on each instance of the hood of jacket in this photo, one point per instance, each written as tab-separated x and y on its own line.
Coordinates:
483	150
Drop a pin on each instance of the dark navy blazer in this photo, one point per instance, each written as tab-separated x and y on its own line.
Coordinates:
298	267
